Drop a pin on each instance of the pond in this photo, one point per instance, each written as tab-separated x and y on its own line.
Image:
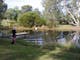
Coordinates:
36	37
44	37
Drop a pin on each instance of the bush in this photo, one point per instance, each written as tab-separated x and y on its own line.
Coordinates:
30	19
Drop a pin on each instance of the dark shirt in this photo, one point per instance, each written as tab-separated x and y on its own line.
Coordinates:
13	33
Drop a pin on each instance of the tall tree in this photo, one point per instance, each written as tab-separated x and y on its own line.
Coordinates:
26	8
12	14
51	10
3	8
63	9
36	10
67	9
74	7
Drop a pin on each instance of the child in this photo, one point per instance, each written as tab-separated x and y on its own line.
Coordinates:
13	35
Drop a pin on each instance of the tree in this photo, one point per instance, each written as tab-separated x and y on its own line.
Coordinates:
12	14
52	12
67	9
26	8
36	10
41	21
30	19
3	8
63	10
70	9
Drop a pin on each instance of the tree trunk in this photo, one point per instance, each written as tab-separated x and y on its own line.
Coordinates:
75	21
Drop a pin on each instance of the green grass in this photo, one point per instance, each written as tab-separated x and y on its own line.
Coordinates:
19	51
23	50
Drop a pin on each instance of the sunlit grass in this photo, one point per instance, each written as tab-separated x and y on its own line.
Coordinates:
62	53
23	50
19	51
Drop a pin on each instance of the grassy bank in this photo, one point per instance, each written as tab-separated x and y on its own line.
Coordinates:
19	51
28	51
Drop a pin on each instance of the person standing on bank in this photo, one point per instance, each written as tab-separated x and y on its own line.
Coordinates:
13	35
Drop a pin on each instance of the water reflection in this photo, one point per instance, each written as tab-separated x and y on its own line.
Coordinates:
48	37
36	37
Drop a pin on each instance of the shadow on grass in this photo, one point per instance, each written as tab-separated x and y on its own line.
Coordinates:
22	50
19	56
73	53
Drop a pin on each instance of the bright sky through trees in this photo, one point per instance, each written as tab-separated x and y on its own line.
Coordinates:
19	3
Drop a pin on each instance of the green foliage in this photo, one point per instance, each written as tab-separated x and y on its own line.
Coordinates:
26	8
3	8
8	23
36	10
30	19
41	22
12	14
52	12
22	50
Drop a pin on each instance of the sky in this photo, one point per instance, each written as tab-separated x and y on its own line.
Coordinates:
19	3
